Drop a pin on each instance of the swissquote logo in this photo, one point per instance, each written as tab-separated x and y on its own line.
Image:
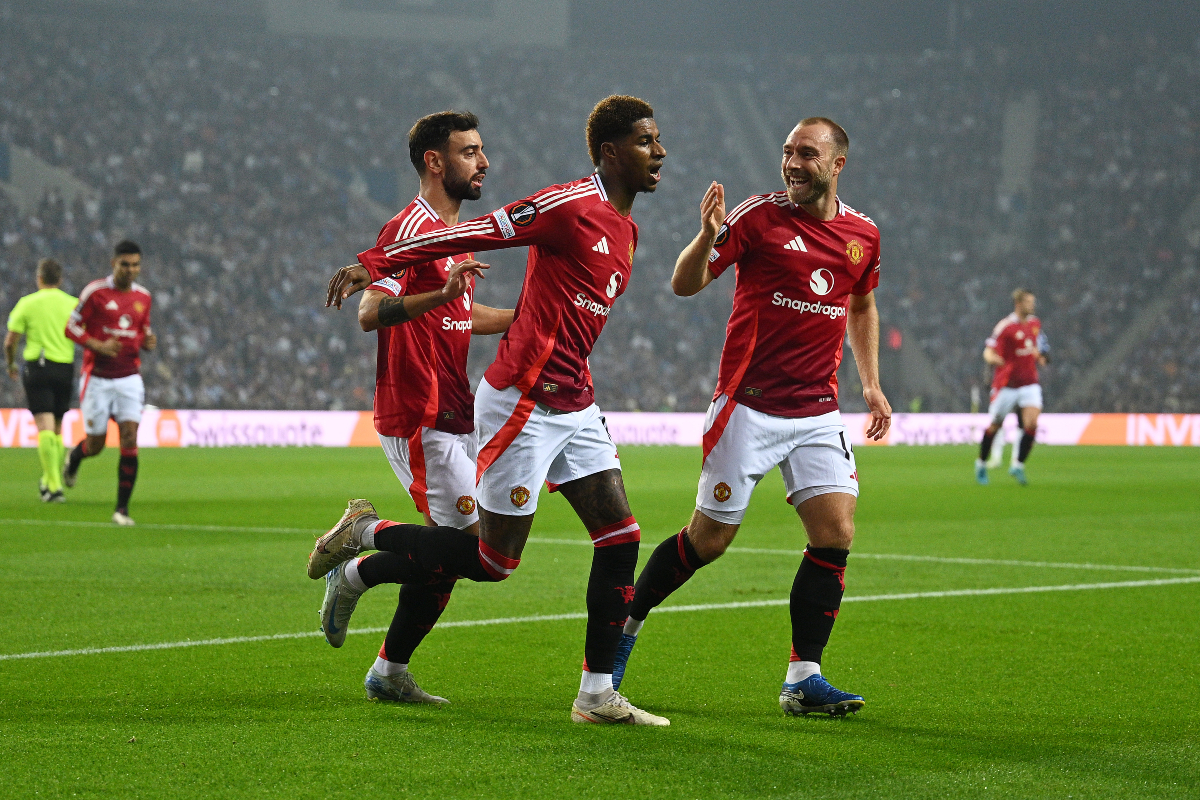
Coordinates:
821	281
601	247
796	244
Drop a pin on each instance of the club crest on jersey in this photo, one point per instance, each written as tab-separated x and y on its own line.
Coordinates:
519	496
722	236
138	307
631	249
854	251
722	492
465	504
523	214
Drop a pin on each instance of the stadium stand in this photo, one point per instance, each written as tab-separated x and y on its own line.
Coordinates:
248	170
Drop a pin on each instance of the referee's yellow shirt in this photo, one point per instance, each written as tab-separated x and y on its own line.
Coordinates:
42	317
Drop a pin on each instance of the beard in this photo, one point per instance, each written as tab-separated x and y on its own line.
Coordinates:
817	188
458	186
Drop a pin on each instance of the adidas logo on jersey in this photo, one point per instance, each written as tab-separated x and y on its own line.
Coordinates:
796	244
111	305
602	245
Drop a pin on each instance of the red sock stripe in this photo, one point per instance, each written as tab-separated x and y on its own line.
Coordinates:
384	524
132	451
834	568
495	564
383	653
794	656
626	530
682	551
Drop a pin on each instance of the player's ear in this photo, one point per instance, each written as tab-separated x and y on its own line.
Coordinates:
434	161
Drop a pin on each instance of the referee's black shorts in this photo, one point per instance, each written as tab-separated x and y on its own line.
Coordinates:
49	386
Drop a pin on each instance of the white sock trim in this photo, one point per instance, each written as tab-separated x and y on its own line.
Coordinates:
633	626
384	667
799	670
595	682
352	576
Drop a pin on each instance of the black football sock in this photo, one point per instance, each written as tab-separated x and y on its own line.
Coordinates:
445	551
420	606
610	588
670	566
386	567
76	456
127	470
1026	445
816	598
985	446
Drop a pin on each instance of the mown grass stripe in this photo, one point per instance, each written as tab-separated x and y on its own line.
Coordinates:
473	623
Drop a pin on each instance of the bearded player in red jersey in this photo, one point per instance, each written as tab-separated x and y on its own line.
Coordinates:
112	322
537	418
423	401
807	266
1016	347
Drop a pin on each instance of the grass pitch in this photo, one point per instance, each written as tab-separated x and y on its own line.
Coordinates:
973	690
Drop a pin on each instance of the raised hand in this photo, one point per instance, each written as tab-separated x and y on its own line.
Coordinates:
345	282
459	279
712	210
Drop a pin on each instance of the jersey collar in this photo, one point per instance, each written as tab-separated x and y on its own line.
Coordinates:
599	185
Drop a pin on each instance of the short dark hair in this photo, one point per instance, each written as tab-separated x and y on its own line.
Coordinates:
841	140
433	133
126	247
612	118
49	272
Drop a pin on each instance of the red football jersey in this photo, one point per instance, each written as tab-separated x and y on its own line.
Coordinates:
104	312
1017	343
580	258
795	274
421	365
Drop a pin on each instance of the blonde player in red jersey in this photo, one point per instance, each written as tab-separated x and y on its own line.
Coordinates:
807	266
423	401
112	322
535	410
1016	348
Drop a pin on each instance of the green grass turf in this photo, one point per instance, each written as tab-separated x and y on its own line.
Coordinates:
1060	694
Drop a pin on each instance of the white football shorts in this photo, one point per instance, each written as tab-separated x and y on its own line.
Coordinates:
437	469
1009	399
742	445
523	443
111	398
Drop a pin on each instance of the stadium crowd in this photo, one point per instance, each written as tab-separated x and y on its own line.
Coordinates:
228	163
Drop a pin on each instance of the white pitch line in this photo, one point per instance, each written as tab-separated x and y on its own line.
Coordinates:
473	623
588	543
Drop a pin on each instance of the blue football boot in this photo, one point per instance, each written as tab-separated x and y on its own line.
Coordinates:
981	476
815	695
1018	473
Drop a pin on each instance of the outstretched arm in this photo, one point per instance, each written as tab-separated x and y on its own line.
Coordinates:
862	324
691	268
381	310
486	320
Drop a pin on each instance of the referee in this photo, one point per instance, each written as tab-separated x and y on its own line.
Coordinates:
49	367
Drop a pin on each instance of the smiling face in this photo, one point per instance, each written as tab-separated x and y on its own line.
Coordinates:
638	156
126	268
463	165
811	164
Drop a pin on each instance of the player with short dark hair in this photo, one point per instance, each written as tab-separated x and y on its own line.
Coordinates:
535	409
47	370
807	266
423	402
1016	347
112	322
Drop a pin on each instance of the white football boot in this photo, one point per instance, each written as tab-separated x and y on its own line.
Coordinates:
616	710
400	688
338	546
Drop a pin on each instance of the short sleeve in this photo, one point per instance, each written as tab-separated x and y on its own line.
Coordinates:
16	319
731	244
869	279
